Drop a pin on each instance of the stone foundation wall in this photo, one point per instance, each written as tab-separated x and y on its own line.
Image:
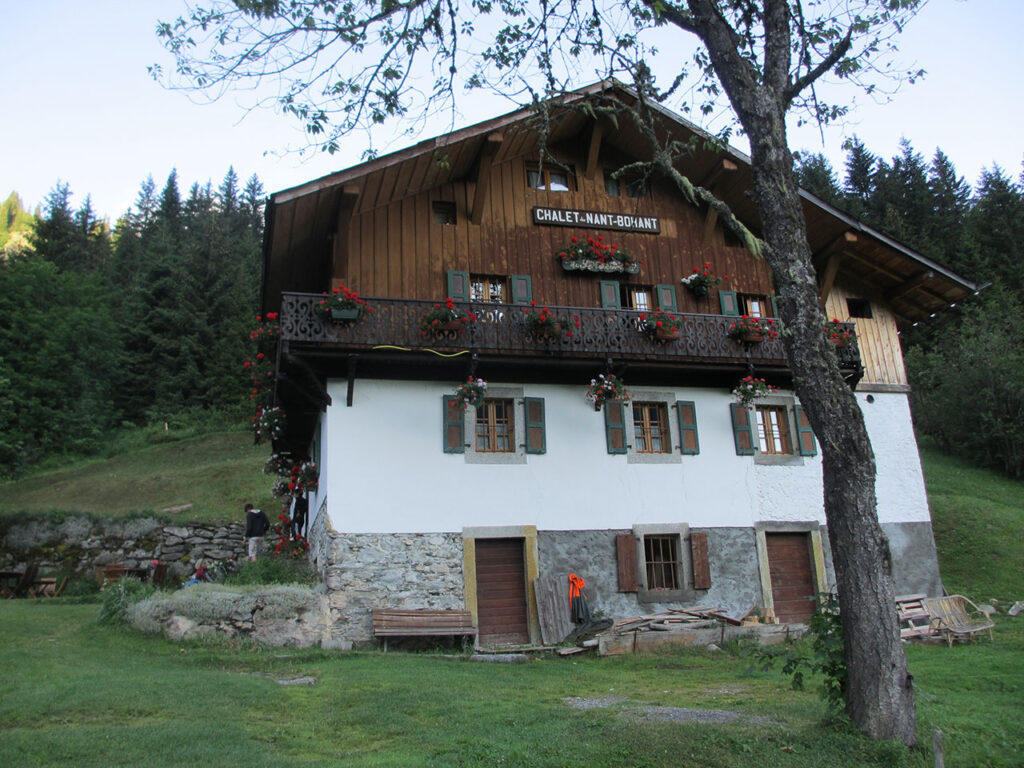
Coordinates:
80	544
389	570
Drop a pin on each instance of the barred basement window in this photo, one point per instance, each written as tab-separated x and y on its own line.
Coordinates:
495	431
661	557
650	428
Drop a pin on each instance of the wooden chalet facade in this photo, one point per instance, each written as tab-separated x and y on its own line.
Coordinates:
678	497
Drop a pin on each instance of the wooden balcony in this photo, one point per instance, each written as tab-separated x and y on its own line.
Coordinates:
501	331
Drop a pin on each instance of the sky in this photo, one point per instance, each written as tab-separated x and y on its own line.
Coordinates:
81	108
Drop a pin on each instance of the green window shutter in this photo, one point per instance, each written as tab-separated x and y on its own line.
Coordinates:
615	426
666	297
686	411
536	438
454	435
458	285
522	289
728	302
804	434
775	305
610	296
742	432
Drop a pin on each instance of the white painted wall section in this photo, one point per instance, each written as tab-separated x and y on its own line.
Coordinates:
384	469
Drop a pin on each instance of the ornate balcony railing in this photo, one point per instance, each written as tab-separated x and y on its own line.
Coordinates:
504	329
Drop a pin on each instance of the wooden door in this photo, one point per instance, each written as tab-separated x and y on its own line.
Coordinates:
789	567
501	592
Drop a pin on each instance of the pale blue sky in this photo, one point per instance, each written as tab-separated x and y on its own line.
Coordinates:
79	105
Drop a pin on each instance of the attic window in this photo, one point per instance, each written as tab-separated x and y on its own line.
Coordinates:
858	308
731	239
616	187
552	179
444	212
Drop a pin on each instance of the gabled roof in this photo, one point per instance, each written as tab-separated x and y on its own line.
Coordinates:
302	220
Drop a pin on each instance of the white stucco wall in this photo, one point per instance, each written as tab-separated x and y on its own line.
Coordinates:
384	469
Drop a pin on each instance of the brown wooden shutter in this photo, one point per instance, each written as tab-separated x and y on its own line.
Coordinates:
701	564
625	553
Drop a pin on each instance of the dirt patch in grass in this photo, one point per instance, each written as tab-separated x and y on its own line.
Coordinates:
647	713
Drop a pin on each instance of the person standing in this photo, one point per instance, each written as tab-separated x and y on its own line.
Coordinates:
300	509
256	525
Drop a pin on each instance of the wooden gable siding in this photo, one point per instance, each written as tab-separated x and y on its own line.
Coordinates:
396	249
877	338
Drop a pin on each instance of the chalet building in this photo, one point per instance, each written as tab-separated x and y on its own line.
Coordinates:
680	496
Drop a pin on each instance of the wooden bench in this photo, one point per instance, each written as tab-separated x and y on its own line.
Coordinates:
955	616
421	622
914	618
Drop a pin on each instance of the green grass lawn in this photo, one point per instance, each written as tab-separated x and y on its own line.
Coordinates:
216	473
978	519
76	693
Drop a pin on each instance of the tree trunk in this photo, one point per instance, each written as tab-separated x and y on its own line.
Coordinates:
879	697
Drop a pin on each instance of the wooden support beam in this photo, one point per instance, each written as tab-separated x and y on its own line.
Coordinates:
725	166
710	219
916	281
828	276
339	248
311	387
594	149
827	260
483	176
353	361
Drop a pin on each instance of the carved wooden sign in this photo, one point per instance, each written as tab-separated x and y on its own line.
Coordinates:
623	222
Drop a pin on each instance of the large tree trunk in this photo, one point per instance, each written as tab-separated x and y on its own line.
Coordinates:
879	697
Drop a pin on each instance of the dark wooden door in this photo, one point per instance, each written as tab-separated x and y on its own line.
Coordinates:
501	592
789	565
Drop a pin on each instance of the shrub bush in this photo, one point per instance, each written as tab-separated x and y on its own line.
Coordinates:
274	570
118	596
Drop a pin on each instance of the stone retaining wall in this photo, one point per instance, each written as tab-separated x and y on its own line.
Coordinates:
80	543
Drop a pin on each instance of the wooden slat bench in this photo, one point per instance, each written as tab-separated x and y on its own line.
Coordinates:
421	622
915	621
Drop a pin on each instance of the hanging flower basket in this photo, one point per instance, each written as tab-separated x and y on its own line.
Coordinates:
342	305
702	280
472	393
750	389
445	318
661	326
753	330
605	388
840	334
546	326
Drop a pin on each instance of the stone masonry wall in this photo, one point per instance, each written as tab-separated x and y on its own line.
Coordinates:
366	571
80	544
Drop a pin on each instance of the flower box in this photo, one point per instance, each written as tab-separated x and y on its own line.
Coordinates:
752	330
666	334
348	315
592	254
603	267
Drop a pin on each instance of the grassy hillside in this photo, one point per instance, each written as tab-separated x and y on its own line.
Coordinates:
978	518
215	473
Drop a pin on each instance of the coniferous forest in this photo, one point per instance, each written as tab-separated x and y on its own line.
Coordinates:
146	324
149	323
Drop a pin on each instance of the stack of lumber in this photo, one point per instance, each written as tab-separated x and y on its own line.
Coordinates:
675	618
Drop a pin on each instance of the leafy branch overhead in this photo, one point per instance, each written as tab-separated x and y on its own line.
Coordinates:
342	67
